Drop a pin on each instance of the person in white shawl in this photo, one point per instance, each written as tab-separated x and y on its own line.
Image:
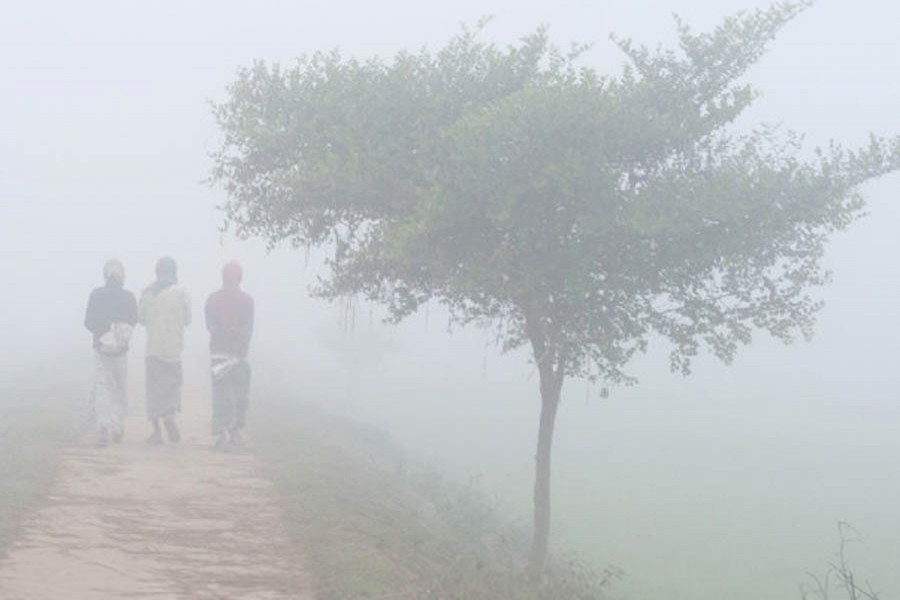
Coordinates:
165	310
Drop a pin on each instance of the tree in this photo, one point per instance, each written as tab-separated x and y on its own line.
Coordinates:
575	213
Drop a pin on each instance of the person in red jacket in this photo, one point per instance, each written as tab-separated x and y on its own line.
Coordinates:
229	319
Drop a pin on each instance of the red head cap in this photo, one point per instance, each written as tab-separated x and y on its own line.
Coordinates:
232	273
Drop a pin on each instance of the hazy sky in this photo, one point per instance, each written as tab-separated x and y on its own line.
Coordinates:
107	125
104	108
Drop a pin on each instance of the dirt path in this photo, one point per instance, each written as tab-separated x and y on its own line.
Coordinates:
172	522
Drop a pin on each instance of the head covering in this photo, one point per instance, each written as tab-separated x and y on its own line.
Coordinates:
166	274
167	269
114	270
232	274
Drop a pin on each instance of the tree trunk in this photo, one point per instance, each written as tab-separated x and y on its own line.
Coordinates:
550	392
550	361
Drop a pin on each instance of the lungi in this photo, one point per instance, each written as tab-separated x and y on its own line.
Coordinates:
230	393
163	388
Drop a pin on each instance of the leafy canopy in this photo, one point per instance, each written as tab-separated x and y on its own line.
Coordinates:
529	192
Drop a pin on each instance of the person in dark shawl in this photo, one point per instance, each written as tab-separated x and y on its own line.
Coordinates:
110	316
165	310
229	319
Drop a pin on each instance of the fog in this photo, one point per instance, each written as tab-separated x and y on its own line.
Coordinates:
728	483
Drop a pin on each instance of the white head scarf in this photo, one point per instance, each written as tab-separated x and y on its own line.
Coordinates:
114	270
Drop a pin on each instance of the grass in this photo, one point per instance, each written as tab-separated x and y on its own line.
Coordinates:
376	527
38	415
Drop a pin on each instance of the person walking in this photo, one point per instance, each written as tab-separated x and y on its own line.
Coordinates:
165	310
110	316
229	319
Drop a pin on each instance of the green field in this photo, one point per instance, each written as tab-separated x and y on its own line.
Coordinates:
694	488
40	411
376	526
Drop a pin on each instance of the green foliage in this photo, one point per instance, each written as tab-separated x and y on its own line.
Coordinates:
377	531
526	191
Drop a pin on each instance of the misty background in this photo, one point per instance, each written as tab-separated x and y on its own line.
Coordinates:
727	484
